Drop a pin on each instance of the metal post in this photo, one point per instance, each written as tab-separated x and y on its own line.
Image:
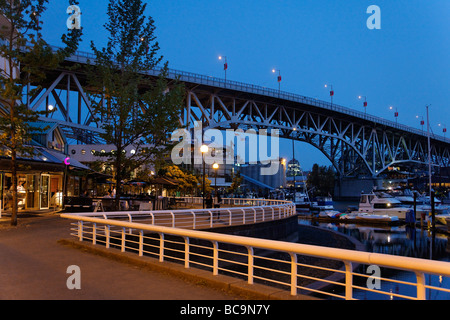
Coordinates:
141	243
80	230
186	252
123	240
348	280
203	158
421	290
107	234
215	258
161	247
293	274
94	233
250	265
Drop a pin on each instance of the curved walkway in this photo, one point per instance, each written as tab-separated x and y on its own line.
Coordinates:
33	265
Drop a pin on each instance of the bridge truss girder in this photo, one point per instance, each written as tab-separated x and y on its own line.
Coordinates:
353	146
73	111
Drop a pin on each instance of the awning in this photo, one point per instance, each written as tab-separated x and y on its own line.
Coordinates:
164	181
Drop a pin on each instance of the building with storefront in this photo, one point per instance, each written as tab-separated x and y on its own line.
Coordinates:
44	177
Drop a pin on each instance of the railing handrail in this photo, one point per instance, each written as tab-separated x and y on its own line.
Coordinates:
416	265
190	217
381	259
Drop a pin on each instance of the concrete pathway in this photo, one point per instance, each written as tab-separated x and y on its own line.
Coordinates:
33	265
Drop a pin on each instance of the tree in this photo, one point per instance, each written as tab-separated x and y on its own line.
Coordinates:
137	111
187	182
236	181
26	58
321	179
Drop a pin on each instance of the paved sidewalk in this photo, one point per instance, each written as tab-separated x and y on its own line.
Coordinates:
33	265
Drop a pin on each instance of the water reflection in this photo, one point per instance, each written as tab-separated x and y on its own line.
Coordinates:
401	241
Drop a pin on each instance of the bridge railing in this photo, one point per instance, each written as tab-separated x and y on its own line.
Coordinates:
297	268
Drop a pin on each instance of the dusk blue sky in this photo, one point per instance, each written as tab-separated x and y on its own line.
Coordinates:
405	64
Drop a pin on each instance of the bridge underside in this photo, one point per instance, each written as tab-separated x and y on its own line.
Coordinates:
354	144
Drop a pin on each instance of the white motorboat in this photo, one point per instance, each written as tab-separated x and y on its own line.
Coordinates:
381	204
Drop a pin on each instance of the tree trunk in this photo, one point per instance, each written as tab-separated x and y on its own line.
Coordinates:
14	188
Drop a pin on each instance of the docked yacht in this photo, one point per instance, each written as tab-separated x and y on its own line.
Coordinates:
381	204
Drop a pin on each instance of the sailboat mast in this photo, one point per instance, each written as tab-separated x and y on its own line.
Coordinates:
429	153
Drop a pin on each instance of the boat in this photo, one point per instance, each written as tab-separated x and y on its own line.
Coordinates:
376	218
355	217
322	204
381	204
302	201
442	218
423	206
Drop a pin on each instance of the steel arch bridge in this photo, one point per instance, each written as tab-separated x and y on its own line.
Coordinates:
354	142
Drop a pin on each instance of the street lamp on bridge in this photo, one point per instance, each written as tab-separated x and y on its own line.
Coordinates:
278	79
331	92
395	113
422	122
225	65
444	129
364	103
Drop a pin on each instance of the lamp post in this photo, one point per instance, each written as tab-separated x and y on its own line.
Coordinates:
422	122
395	113
225	65
364	103
203	150
278	78
331	92
293	163
444	129
215	167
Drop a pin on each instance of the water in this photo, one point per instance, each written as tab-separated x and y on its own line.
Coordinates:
400	241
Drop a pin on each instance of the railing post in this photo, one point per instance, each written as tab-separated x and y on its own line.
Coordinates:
348	280
421	290
186	252
215	258
194	220
94	233
141	243
123	240
107	234
211	219
80	230
293	274
250	265
161	247
173	219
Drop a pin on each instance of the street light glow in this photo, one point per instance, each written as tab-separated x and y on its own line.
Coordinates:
204	148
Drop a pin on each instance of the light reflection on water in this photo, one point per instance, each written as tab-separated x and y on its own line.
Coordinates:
401	241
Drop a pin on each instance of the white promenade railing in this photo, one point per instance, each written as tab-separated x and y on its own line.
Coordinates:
297	267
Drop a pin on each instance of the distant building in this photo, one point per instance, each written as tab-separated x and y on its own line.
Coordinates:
295	174
255	181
